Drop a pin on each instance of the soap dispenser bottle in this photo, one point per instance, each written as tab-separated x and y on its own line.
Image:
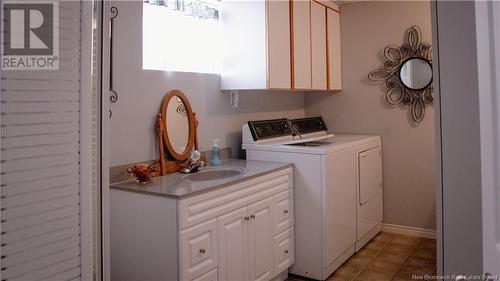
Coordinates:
215	160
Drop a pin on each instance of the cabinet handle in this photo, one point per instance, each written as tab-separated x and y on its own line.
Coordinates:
247	218
285	212
252	217
202	251
286	252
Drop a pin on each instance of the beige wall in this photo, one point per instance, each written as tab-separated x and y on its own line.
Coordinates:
408	150
141	91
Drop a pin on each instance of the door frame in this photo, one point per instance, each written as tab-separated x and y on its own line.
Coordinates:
86	115
459	143
488	44
104	133
437	121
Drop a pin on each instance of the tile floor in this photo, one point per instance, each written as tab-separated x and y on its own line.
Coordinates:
390	257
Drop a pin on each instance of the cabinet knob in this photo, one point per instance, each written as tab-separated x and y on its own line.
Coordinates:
286	252
285	212
252	217
202	251
246	218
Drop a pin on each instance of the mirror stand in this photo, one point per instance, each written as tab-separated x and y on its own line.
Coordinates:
172	166
176	129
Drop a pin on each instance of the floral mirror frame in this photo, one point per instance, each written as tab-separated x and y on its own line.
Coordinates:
397	91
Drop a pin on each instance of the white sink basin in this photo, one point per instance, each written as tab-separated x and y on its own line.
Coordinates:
214	173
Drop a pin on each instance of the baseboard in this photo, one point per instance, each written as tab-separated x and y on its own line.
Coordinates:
408	230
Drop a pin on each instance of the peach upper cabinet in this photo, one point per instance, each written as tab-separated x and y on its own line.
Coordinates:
281	45
255	45
301	45
319	51
333	47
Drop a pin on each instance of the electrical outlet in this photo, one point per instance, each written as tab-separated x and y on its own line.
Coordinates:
234	98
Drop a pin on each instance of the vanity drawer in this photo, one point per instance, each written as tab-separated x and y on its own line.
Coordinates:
200	208
284	255
283	212
209	276
198	250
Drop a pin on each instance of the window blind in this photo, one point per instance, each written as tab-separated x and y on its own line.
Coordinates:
40	170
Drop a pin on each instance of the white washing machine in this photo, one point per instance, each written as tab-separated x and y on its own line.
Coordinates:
337	188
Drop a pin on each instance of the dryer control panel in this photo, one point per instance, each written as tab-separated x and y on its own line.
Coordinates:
309	125
266	129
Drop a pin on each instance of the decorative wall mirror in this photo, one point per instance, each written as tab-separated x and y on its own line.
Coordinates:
407	74
176	126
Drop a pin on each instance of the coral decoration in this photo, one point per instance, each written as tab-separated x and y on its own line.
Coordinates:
144	173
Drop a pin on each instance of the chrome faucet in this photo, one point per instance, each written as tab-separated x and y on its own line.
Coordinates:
194	163
295	131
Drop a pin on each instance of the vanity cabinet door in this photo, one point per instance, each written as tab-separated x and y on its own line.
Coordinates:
260	241
198	250
233	245
283	211
284	253
209	276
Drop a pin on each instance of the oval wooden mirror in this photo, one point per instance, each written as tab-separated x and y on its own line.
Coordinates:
178	125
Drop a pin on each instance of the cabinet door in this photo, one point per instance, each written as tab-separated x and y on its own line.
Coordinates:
284	254
339	204
318	46
370	174
260	242
370	190
278	44
283	211
209	276
301	41
334	58
232	245
198	249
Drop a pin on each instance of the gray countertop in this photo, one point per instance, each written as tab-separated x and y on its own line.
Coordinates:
177	186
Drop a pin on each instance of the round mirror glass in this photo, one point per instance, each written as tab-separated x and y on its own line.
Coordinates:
177	124
416	73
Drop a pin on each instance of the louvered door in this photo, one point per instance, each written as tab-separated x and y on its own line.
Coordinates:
40	163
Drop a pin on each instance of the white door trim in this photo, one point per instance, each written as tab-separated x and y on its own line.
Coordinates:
104	137
437	123
86	221
488	45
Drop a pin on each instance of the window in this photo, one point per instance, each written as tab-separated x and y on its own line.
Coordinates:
181	35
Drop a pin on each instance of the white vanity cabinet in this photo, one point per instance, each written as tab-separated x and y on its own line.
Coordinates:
281	45
239	232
